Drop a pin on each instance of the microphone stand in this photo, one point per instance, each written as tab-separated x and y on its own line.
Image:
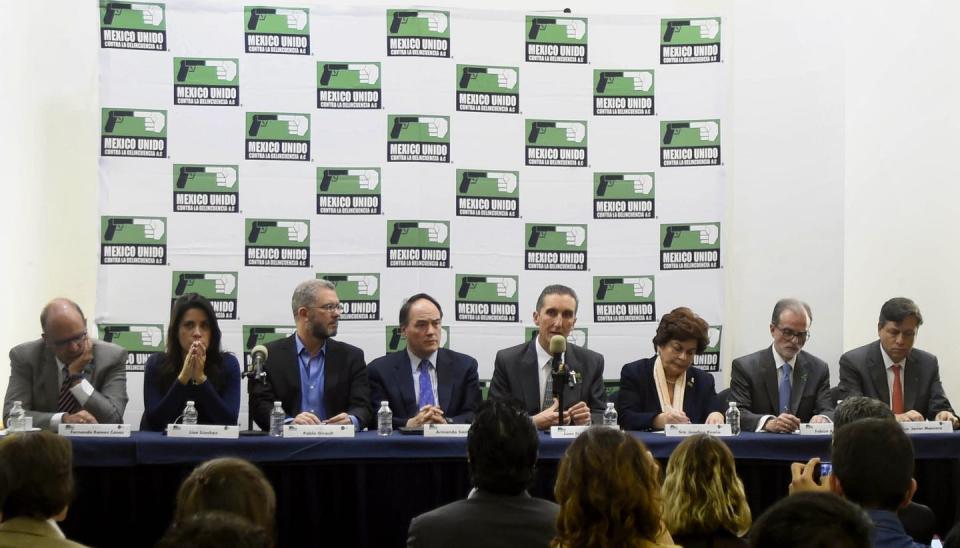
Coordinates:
253	375
560	379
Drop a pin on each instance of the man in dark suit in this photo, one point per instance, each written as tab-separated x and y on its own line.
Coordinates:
892	371
425	383
317	379
781	386
65	377
501	453
523	371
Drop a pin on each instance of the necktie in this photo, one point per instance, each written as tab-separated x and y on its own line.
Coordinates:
426	387
548	391
896	398
66	403
785	388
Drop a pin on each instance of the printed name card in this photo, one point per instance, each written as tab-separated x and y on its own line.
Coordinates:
691	429
203	431
95	430
816	429
445	430
318	431
567	431
927	427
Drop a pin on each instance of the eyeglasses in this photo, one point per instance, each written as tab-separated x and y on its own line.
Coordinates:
791	335
71	341
330	307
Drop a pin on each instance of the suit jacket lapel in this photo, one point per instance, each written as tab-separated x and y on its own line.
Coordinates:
800	378
444	379
50	377
768	372
911	381
530	377
290	374
403	372
878	374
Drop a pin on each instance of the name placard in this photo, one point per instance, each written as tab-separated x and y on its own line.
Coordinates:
816	429
445	430
203	431
927	427
567	431
95	430
318	431
682	430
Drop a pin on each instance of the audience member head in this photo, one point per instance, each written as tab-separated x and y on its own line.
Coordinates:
39	474
702	493
192	318
502	448
608	492
860	407
229	485
214	530
812	520
873	464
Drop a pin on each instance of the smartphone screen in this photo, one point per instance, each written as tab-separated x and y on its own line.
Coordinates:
825	469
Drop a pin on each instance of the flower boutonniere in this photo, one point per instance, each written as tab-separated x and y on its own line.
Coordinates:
803	376
690	382
574	378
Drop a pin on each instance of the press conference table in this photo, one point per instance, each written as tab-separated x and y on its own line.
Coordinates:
363	491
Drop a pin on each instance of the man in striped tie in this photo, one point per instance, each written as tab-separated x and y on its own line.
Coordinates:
65	376
425	383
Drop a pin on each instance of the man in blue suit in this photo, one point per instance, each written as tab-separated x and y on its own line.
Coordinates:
425	383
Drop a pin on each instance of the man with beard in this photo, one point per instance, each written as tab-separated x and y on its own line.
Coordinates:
317	379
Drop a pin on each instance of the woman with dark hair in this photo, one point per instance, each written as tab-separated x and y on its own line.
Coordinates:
664	389
608	494
704	501
193	368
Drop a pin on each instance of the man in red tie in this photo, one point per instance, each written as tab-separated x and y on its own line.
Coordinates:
892	371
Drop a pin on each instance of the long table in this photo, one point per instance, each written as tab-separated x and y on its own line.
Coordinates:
364	491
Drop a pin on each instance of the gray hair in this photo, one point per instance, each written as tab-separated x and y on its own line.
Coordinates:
306	293
795	305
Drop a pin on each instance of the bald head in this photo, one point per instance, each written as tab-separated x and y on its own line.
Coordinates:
55	309
64	329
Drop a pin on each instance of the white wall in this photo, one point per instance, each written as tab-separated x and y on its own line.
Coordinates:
835	131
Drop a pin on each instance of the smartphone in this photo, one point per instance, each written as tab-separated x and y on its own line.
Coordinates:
826	468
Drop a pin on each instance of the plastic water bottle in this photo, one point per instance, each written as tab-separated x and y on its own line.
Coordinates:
190	413
277	416
733	418
610	415
16	419
384	419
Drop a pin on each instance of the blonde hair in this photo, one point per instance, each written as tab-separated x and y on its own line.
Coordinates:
608	493
702	491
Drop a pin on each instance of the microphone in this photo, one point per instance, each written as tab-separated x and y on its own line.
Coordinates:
558	345
258	356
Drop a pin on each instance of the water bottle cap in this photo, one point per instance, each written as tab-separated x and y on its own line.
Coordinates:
276	403
609	404
189	402
733	404
384	402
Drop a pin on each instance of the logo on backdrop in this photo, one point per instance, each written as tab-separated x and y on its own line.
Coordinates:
557	143
486	298
263	334
690	246
139	340
220	288
206	82
555	247
488	89
342	85
424	244
205	188
348	190
418	138
137	133
685	41
577	336
277	242
690	143
709	360
140	26
278	136
276	30
397	342
623	299
487	193
556	39
133	240
623	195
418	33
625	92
359	293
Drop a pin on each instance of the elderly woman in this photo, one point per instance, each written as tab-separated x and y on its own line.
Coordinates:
193	368
664	389
609	494
704	501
